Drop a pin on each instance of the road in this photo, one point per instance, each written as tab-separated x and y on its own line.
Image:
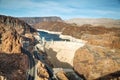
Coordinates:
31	71
41	58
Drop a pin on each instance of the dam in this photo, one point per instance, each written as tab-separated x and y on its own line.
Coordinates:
60	51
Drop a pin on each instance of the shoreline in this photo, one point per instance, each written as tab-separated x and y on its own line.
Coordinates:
51	32
73	39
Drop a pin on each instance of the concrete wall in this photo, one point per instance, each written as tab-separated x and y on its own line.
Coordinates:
64	50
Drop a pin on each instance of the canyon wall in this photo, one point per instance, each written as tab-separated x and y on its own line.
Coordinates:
14	59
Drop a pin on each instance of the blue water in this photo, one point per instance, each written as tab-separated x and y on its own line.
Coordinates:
49	37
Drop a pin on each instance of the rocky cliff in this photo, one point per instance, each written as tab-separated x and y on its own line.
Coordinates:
10	40
14	62
19	25
34	20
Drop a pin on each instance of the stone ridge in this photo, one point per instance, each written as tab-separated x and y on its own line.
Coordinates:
16	23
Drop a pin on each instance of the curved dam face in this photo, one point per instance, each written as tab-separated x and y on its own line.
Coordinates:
61	53
60	48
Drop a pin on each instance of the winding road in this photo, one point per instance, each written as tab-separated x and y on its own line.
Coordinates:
31	71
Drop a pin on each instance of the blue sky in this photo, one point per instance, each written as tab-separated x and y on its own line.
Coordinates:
65	9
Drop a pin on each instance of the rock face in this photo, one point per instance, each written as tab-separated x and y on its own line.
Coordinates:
34	20
12	32
10	40
42	72
19	25
95	62
61	75
13	59
13	63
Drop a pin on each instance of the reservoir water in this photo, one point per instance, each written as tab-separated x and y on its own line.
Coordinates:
49	36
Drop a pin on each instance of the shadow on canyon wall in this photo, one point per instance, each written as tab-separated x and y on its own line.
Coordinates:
52	56
111	76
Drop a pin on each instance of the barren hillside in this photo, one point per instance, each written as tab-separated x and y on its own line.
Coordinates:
96	22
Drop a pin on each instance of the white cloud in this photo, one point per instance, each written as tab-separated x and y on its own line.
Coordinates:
51	7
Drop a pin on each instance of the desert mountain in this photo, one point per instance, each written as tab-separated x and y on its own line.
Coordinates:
34	20
96	22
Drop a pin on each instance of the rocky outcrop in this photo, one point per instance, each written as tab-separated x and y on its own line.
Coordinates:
35	20
97	63
42	72
10	40
61	75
